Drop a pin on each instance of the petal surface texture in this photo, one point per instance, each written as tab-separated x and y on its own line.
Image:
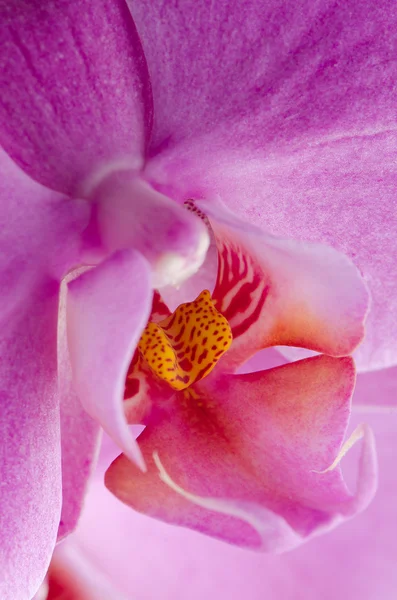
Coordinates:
34	222
261	455
85	99
278	76
107	310
293	125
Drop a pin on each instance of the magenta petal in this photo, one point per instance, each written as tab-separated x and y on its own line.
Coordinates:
249	73
39	234
80	437
107	310
30	499
267	456
85	98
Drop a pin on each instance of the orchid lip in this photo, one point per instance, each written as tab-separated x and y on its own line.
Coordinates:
185	347
228	431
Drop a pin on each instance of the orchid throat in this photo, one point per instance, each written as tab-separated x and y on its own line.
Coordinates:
184	347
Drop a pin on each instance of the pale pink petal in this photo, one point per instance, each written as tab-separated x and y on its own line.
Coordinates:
107	310
284	292
80	435
265	359
30	457
245	73
376	391
39	242
75	90
80	438
262	456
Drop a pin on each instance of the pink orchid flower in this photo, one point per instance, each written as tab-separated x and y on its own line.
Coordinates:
246	450
112	116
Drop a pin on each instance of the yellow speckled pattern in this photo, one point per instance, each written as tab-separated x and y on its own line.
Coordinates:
185	347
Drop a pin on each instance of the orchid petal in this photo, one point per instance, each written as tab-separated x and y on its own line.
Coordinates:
275	73
76	110
376	391
282	292
30	448
265	359
258	456
34	222
80	435
107	310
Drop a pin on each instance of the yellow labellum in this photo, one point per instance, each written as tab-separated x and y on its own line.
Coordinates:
185	347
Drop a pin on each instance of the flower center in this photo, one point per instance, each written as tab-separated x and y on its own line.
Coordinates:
185	347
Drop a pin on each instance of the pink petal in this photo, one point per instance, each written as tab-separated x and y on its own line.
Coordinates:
376	391
260	457
281	292
30	500
268	74
39	243
85	98
353	561
265	359
80	436
107	310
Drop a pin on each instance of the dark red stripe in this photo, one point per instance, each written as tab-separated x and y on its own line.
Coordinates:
246	324
241	301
